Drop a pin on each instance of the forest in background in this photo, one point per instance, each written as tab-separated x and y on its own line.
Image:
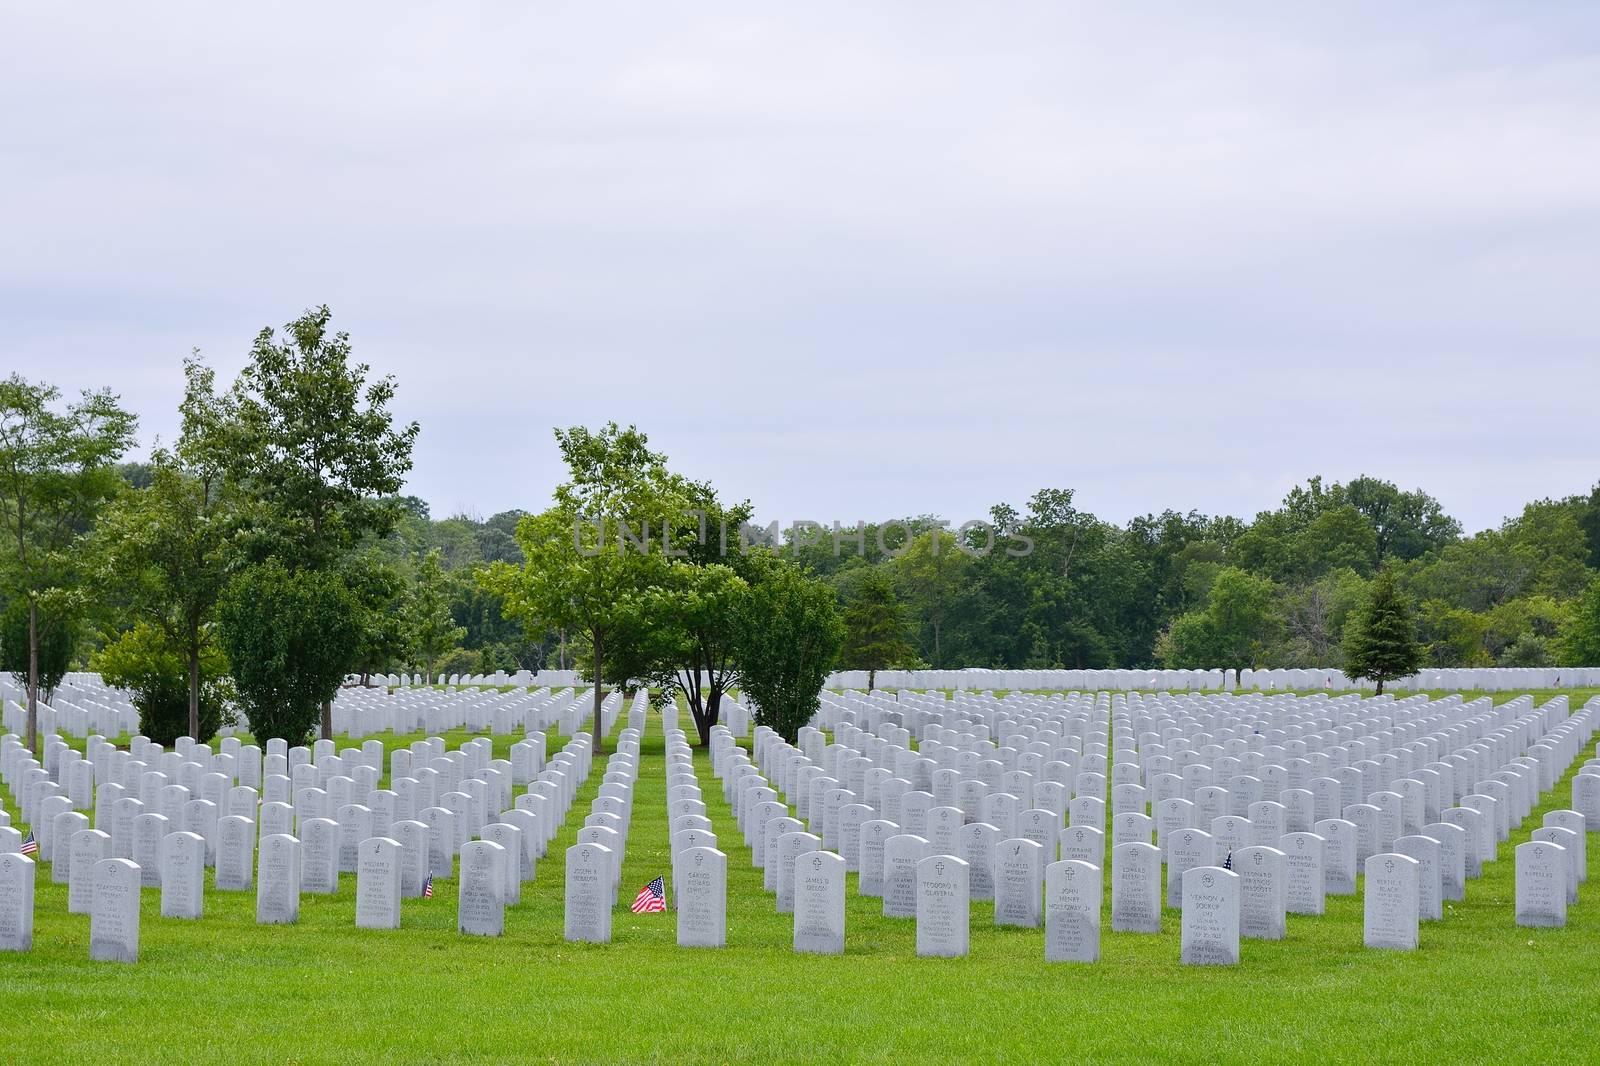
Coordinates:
1170	589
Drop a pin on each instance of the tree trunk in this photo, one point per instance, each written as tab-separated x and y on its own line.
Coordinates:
872	677
327	719
194	693
706	718
713	714
33	675
1380	687
599	736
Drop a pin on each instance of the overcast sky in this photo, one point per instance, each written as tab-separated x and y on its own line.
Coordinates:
847	260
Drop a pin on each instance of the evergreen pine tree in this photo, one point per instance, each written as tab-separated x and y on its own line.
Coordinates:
875	628
1381	644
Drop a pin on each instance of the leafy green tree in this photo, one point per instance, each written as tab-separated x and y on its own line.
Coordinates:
462	661
290	637
1243	610
1586	510
875	627
1380	644
1534	616
1340	538
144	661
137	475
1197	568
1315	616
1451	636
581	573
433	632
789	637
56	471
692	635
165	549
1579	643
691	613
1474	574
497	537
1316	530
380	590
315	448
1528	650
479	611
1189	643
316	444
1408	525
1238	627
1551	544
57	640
931	575
1166	565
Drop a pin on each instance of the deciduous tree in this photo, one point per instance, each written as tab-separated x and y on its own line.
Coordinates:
316	449
165	549
433	632
289	636
789	638
56	472
589	564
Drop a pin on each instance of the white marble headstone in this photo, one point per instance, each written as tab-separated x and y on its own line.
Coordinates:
1211	917
1072	897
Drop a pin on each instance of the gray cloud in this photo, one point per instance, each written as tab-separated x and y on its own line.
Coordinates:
847	261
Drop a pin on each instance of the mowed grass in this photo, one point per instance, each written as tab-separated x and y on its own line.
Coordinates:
224	990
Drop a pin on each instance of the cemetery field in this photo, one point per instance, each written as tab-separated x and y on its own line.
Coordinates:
223	989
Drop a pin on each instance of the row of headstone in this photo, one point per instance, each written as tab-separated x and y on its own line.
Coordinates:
1427	867
594	864
398	864
364	711
390	856
81	705
930	874
1496	679
1296	861
699	869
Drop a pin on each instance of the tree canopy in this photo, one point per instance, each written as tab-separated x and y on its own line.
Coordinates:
56	472
588	564
789	634
288	636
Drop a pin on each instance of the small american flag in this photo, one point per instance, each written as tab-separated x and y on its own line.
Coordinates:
652	897
427	888
1227	864
30	846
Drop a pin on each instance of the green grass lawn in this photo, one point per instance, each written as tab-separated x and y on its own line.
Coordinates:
224	990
